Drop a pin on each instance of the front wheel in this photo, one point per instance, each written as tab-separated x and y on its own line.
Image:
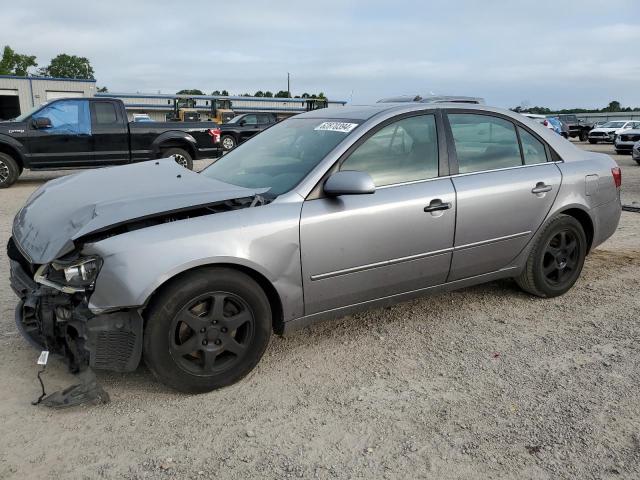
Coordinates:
206	330
583	136
228	142
556	259
9	170
181	157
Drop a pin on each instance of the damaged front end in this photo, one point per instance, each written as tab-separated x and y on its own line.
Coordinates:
53	314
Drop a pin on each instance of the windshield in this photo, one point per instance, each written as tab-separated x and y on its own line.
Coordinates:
613	125
27	114
281	156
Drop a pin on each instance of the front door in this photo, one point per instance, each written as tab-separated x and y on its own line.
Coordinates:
504	193
249	127
67	142
358	248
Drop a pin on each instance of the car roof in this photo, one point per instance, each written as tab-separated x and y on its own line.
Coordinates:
365	112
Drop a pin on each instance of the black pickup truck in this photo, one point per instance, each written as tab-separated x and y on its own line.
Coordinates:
243	127
577	128
95	132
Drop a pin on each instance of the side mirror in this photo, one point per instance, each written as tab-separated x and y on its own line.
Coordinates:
349	182
41	122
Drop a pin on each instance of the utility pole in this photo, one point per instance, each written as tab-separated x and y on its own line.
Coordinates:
289	84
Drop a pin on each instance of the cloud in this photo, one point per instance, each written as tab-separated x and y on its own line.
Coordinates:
552	53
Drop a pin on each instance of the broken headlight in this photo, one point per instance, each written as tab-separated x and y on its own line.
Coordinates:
81	272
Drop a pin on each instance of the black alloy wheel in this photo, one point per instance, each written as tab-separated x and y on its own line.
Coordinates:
556	258
206	329
561	257
211	333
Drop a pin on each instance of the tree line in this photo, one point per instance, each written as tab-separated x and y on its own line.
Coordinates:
61	66
614	106
259	93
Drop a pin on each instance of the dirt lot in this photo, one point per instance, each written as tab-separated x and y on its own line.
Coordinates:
485	382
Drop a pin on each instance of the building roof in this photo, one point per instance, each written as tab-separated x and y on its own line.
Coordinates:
56	79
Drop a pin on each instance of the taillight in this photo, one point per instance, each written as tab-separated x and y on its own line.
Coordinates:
617	176
545	123
215	134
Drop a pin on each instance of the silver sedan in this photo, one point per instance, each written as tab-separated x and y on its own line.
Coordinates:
326	213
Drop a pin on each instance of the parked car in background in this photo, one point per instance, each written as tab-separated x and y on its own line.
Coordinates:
551	123
577	128
625	141
321	215
636	152
94	132
243	127
141	117
608	131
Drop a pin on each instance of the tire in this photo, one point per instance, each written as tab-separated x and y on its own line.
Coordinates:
591	141
9	170
553	266
638	162
219	357
228	142
583	136
182	157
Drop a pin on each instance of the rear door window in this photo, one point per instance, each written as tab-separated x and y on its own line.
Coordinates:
105	113
533	149
484	142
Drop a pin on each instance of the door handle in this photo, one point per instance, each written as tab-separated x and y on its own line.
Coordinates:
541	187
437	205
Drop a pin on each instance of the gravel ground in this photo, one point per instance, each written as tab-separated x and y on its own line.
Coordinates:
485	382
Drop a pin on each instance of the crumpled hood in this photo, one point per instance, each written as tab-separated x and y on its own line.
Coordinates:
67	208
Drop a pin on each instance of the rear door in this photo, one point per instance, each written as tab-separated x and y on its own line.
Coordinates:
68	141
110	133
358	248
505	186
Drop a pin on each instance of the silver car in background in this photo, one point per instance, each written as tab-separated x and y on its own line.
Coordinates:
326	213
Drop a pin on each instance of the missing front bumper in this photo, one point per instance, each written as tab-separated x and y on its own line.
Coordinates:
63	324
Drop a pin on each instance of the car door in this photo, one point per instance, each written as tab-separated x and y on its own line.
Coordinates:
249	127
110	134
358	248
505	187
67	142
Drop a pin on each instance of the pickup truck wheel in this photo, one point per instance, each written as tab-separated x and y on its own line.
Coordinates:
9	170
207	330
181	157
583	136
228	142
556	259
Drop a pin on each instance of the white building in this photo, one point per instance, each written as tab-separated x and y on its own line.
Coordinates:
20	94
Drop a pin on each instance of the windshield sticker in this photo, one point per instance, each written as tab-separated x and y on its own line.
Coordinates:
336	126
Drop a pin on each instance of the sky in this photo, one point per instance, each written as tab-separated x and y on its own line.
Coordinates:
559	54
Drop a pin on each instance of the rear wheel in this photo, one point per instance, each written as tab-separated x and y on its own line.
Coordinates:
9	170
556	259
207	330
181	157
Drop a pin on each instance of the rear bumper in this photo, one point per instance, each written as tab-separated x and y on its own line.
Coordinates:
63	324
